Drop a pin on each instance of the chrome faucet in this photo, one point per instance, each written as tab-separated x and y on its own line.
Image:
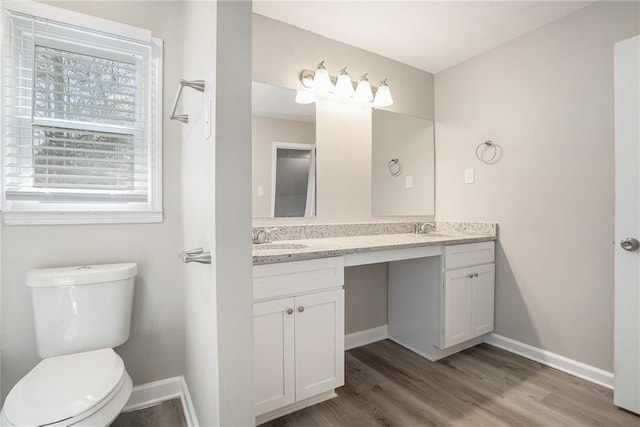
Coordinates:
425	228
262	235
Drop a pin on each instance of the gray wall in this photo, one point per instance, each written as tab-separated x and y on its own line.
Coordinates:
153	351
218	304
234	286
365	297
547	99
201	371
281	51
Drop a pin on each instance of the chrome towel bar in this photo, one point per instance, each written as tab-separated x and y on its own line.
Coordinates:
194	84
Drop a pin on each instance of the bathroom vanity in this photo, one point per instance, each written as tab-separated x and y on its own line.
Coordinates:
440	301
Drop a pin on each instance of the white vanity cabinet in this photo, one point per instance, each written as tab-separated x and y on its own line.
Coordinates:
468	292
438	306
298	316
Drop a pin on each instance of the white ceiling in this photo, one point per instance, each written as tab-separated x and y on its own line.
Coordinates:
429	35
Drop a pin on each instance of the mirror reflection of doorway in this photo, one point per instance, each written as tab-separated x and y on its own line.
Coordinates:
293	183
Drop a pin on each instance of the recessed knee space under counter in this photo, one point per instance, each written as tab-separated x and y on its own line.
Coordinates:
440	300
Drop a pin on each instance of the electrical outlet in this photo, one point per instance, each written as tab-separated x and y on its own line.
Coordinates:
409	182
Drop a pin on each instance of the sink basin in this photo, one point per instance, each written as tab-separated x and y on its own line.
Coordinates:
278	246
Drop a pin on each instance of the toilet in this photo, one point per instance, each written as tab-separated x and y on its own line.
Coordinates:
79	313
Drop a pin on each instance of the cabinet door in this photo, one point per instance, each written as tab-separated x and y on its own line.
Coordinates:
482	295
457	306
273	334
319	342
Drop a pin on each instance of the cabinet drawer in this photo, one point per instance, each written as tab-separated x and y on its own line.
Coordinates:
297	277
457	256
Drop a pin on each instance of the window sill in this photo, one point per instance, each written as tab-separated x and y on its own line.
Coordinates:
77	218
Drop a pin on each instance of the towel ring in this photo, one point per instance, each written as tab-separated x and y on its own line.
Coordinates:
395	168
488	145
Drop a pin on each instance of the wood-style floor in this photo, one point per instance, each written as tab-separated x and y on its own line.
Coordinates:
166	414
387	385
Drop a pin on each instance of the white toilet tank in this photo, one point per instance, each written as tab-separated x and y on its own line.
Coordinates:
84	308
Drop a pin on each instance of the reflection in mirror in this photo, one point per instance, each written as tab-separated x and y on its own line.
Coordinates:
294	192
402	165
283	153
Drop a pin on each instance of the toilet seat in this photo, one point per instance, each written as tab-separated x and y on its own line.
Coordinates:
65	390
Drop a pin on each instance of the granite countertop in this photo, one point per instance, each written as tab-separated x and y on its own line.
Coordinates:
303	249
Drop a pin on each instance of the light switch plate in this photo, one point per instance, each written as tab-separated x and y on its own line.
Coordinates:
469	176
207	119
260	190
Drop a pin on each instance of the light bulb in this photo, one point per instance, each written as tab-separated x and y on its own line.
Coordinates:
383	95
363	90
344	87
321	79
303	96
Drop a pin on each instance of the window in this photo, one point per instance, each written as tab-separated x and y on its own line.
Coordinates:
81	123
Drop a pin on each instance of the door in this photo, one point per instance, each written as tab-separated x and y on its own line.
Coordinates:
627	226
293	180
482	298
319	343
273	329
457	306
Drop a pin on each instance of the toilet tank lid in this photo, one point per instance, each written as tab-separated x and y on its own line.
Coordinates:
80	275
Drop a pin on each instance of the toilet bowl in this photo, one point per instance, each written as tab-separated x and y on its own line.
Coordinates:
80	313
88	388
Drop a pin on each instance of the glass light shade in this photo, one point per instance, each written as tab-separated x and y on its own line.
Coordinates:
304	97
363	90
383	96
344	87
321	79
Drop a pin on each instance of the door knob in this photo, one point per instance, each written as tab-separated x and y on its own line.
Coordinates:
630	244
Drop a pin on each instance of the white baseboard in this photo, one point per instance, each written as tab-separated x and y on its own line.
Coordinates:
156	392
553	360
368	336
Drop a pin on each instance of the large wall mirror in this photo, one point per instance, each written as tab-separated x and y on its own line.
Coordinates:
402	170
283	153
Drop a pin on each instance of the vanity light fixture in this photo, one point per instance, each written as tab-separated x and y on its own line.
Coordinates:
383	95
344	86
321	80
363	90
320	84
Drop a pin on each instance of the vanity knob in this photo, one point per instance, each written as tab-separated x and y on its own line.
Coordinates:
289	310
475	274
471	276
301	309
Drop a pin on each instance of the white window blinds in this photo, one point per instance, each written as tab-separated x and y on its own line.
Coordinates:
80	124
